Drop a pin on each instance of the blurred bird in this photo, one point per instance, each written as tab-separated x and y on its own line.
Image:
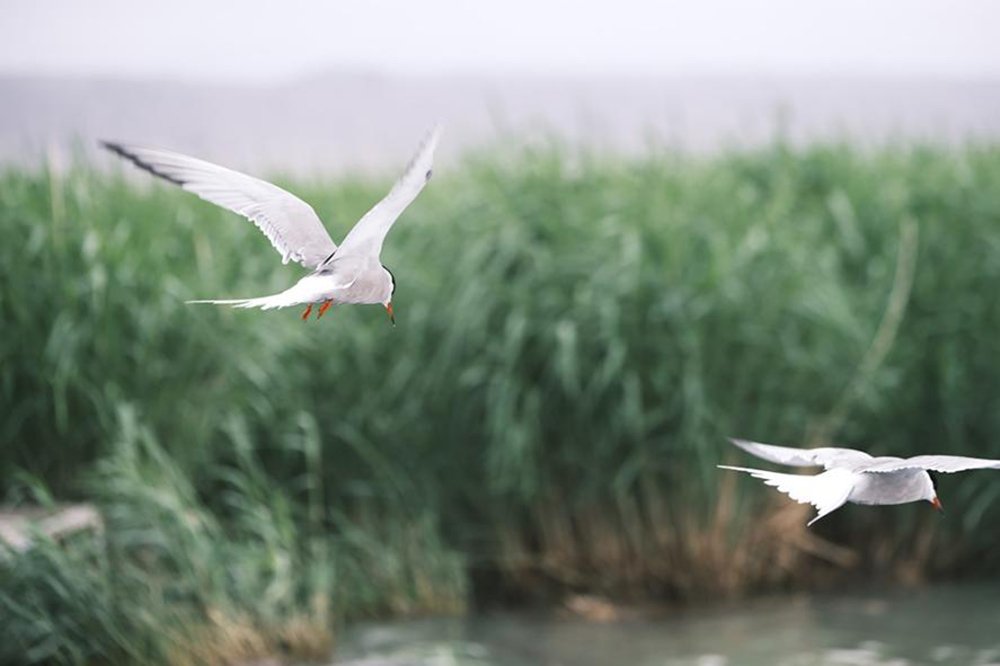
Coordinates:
350	273
855	476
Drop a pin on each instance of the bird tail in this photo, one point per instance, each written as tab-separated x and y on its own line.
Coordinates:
797	485
282	300
826	491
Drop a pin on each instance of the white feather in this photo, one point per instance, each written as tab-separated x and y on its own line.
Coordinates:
935	463
827	491
828	457
289	223
366	238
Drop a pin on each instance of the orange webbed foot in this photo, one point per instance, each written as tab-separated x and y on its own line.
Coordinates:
323	308
309	309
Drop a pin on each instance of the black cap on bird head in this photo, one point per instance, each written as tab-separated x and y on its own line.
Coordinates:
392	291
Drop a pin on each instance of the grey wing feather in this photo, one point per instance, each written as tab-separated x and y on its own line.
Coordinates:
827	457
368	234
289	223
934	463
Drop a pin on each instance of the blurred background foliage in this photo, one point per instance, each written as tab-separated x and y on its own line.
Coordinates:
576	336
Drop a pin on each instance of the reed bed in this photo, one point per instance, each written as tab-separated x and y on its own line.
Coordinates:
576	337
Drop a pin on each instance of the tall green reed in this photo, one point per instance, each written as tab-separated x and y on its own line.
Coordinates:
576	337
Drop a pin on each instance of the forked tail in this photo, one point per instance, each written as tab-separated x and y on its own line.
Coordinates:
827	491
282	300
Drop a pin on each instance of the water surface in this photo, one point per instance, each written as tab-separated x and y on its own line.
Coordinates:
956	624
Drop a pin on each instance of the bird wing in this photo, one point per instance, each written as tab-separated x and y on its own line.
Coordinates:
367	235
828	457
939	463
826	491
289	223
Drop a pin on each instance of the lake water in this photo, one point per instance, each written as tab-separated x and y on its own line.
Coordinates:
956	624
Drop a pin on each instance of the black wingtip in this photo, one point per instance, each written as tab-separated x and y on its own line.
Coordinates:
111	146
125	153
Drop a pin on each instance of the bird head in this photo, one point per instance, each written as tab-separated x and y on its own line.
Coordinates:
387	303
930	493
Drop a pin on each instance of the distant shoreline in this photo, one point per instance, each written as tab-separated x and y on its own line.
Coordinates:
367	122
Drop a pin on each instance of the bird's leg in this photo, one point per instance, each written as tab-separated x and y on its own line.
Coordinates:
305	315
323	308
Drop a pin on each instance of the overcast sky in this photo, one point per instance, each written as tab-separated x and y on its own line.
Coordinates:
268	40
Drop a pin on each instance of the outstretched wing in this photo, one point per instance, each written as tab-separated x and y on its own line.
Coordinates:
827	491
288	222
828	457
947	464
367	235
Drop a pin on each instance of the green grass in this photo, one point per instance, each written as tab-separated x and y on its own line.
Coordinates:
170	580
576	336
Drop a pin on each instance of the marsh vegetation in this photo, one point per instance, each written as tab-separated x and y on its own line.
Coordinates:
575	338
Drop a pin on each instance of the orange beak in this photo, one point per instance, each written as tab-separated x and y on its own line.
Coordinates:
392	317
936	503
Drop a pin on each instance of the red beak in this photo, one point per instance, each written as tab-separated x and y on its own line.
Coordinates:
936	503
392	317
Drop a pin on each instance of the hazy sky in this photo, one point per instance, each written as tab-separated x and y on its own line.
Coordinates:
267	40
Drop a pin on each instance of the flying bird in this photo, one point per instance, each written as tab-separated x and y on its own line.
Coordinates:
854	476
350	273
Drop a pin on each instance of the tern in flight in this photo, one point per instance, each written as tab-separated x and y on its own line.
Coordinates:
349	273
855	476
